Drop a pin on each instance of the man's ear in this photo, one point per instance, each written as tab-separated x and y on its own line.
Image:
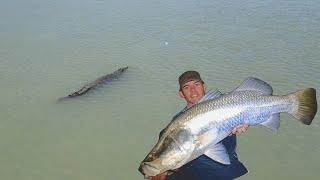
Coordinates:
181	94
205	87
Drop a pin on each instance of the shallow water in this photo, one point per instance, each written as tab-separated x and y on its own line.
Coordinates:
49	49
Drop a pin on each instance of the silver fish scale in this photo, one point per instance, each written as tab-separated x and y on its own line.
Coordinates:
258	109
253	102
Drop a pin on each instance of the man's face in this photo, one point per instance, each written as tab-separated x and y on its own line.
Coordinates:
192	91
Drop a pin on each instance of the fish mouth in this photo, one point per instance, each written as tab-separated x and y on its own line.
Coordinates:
141	169
148	169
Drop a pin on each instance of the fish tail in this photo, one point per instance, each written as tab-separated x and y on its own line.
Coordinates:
305	105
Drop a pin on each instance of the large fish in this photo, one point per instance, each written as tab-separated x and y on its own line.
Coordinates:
200	129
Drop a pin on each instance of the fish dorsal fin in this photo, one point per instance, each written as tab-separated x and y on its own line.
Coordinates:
273	122
218	153
255	84
211	95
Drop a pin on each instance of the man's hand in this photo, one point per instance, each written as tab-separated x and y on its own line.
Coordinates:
240	129
162	176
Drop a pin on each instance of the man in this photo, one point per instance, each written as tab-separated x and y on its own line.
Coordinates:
193	89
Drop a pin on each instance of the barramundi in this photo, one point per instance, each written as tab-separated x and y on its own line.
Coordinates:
200	129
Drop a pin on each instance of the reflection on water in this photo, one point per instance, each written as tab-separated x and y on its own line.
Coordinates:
49	49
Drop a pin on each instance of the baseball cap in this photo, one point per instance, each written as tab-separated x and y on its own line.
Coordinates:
188	76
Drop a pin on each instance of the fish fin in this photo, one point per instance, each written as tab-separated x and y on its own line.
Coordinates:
211	95
207	137
218	152
273	122
255	84
306	106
